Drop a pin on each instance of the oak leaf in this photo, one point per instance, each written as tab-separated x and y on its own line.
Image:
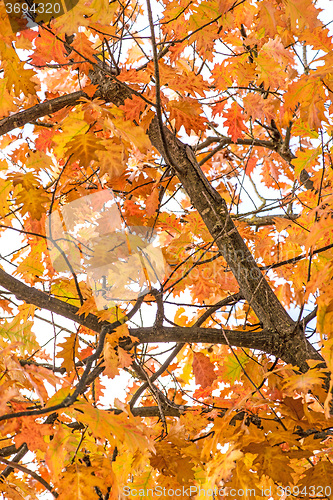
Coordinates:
186	113
234	120
84	148
203	370
68	352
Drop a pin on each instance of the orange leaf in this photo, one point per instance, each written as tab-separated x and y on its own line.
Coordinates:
83	148
234	121
68	352
111	361
84	47
152	202
187	113
133	108
125	358
48	48
112	161
203	370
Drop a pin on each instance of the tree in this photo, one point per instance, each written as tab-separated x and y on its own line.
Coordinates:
209	126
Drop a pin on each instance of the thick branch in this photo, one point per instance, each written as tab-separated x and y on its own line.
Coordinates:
146	335
23	450
216	216
44	301
278	146
267	220
153	411
254	340
265	340
38	111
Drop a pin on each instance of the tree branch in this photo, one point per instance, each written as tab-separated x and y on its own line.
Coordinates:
265	340
216	216
23	450
38	111
15	465
44	301
266	220
279	147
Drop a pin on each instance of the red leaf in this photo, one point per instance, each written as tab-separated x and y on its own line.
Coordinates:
133	108
48	48
250	166
203	370
234	121
44	139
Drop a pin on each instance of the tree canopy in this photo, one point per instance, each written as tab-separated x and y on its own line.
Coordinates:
166	185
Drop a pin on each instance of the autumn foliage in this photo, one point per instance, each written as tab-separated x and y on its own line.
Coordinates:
207	124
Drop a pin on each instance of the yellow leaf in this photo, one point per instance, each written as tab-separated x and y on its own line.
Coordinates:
69	352
57	451
115	428
305	159
5	188
66	290
71	126
79	482
19	78
76	16
327	353
325	316
6	100
104	11
305	381
18	331
321	474
220	467
273	462
113	160
58	397
33	201
83	148
32	266
132	133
